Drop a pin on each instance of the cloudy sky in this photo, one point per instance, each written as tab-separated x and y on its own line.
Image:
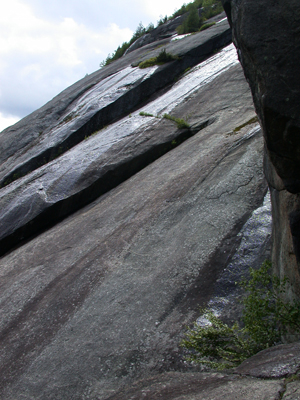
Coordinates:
46	46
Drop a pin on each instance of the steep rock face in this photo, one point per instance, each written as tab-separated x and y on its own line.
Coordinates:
105	157
108	157
103	297
99	99
266	34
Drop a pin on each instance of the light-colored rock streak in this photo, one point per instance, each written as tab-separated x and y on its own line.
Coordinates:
200	75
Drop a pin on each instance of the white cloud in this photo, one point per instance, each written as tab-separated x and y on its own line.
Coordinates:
47	46
6	121
39	58
157	8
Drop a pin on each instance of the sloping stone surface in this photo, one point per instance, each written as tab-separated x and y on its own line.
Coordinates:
97	100
276	362
112	155
95	306
103	298
176	386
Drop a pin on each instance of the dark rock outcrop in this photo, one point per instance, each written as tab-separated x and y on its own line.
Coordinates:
267	37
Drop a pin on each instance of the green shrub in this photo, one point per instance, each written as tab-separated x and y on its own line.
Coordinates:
162	20
265	317
193	22
148	63
205	26
181	123
162	58
211	8
145	114
216	345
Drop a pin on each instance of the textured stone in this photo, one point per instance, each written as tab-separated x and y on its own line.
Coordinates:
103	297
97	100
267	37
292	391
176	386
275	362
112	155
95	306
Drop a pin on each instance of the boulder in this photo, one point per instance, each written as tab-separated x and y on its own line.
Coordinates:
276	362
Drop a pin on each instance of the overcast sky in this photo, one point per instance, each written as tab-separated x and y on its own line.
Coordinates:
45	46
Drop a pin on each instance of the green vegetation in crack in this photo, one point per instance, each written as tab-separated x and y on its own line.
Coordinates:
13	178
181	123
251	121
161	59
206	26
266	316
145	114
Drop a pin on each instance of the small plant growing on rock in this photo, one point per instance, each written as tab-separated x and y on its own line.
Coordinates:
206	26
265	317
181	123
145	114
162	58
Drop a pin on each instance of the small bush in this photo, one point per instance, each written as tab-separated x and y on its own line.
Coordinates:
140	31
148	63
265	317
191	23
162	20
216	345
181	123
206	26
145	114
162	58
194	23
